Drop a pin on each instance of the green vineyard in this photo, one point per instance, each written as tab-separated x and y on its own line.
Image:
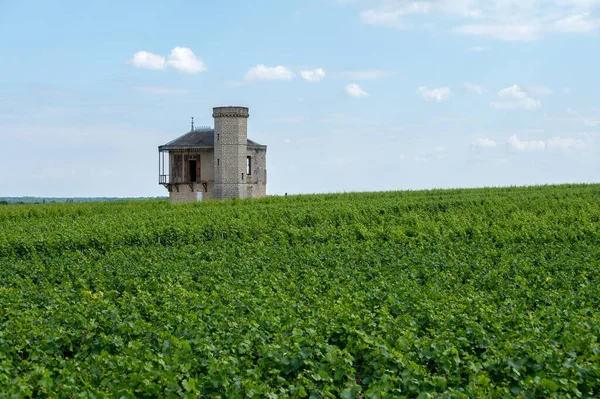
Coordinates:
466	293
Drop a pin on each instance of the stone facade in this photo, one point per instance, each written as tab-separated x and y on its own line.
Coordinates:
231	144
230	167
185	193
257	180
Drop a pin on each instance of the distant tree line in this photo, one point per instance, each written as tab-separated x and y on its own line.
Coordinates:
41	200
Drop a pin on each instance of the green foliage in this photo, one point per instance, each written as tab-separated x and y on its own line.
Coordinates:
427	294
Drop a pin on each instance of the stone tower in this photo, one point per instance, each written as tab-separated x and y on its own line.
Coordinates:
219	163
231	144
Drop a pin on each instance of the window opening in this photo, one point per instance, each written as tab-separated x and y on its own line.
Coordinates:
248	165
192	170
176	168
198	168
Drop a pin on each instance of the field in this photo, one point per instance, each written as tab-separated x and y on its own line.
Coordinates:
446	293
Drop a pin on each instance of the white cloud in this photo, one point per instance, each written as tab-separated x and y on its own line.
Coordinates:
161	90
314	75
478	49
145	60
569	143
580	118
515	97
586	4
353	90
184	60
389	19
438	95
555	143
473	88
581	3
511	20
483	143
180	58
501	31
518	145
537	90
575	117
368	74
579	23
262	72
396	14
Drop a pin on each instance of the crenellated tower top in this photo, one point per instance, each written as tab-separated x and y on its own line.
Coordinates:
230	112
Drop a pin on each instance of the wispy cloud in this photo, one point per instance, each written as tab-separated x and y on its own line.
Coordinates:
483	142
515	97
578	117
439	94
397	14
569	143
313	75
478	49
181	58
522	32
536	90
578	23
510	20
555	143
389	19
523	145
263	72
353	90
367	74
474	89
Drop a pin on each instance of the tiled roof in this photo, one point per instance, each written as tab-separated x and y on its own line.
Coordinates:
204	138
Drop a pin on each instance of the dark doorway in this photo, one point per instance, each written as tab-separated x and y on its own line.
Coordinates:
192	170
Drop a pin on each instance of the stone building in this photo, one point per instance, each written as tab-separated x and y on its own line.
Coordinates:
217	163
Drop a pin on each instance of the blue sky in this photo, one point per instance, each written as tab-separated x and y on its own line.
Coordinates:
349	95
